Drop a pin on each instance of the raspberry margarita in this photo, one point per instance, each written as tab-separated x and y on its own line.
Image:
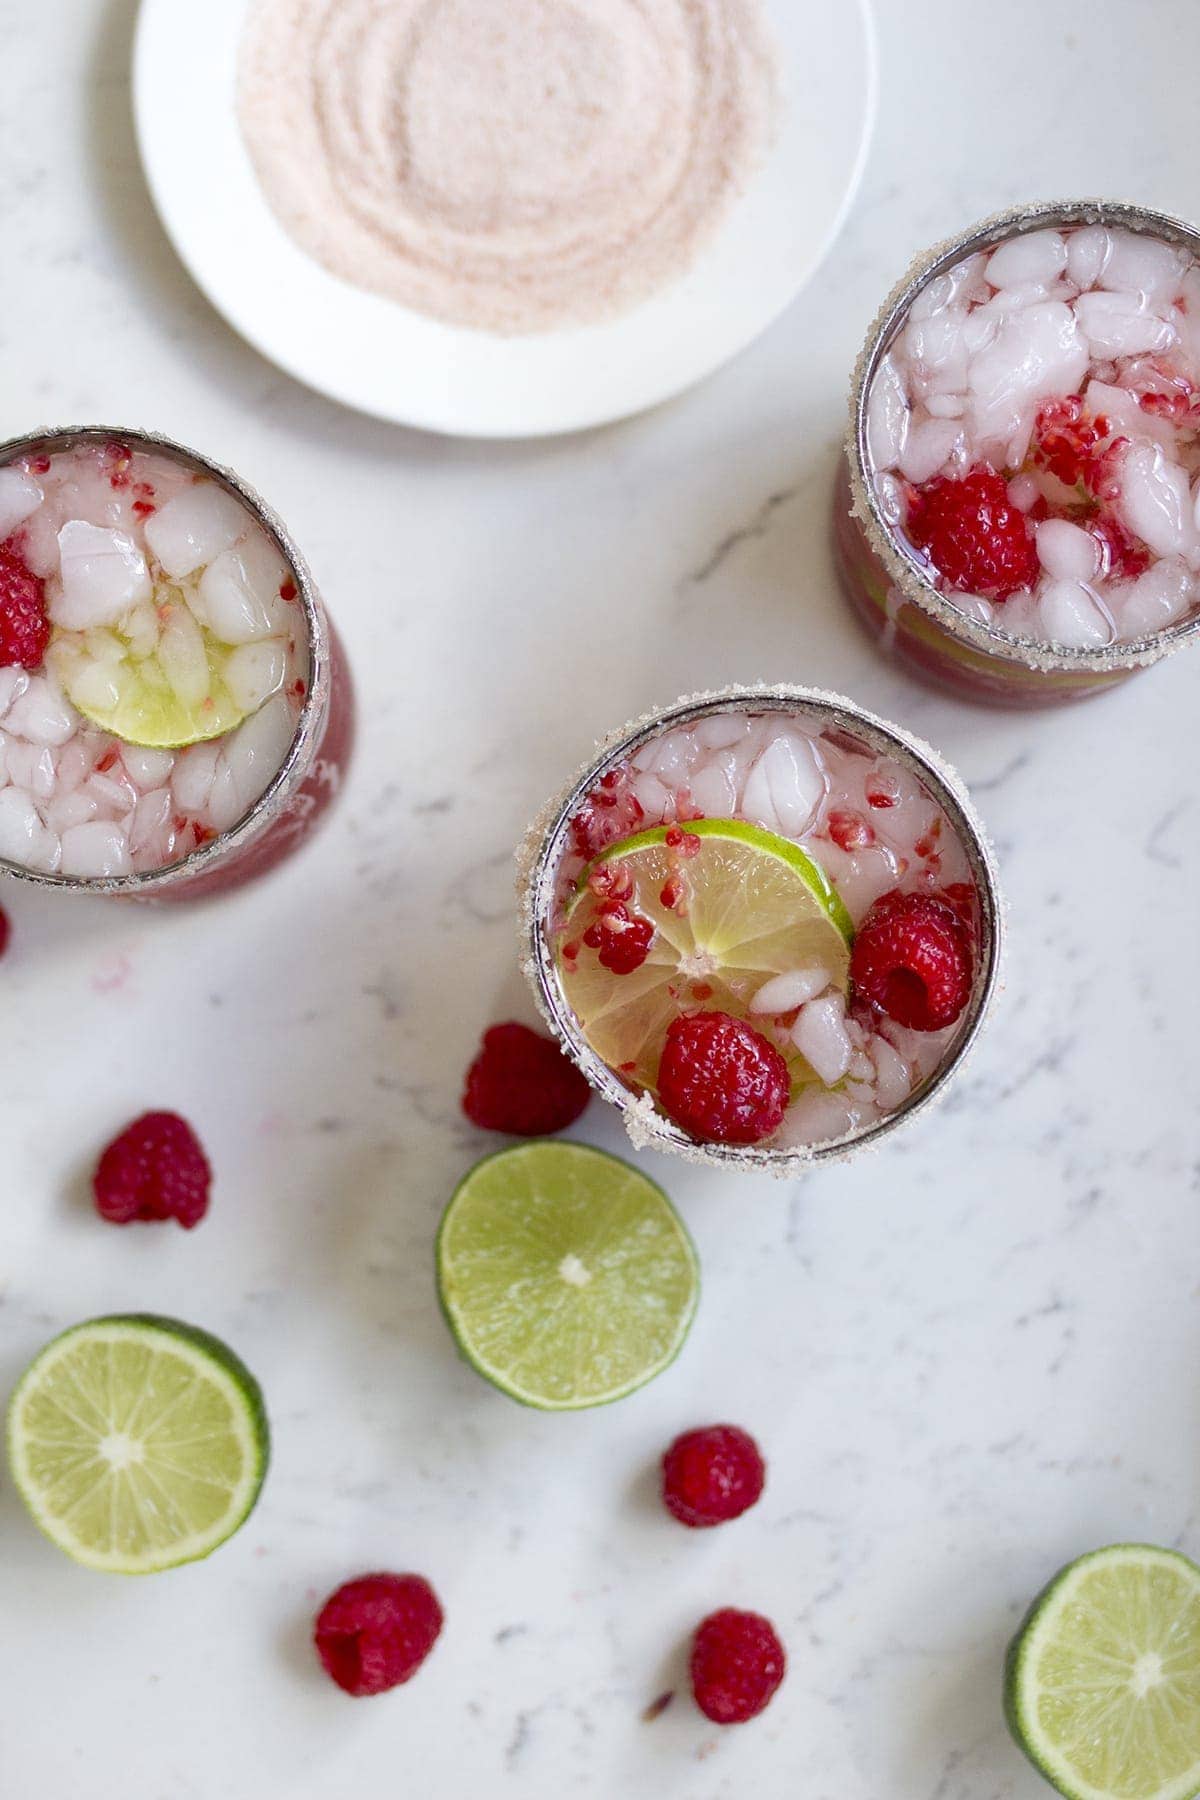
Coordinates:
763	922
1018	515
173	713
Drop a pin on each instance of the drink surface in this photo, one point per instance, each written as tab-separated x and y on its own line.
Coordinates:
795	791
1033	436
154	661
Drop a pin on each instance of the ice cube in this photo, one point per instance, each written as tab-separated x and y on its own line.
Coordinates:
183	658
975	607
70	809
192	776
23	838
236	610
42	714
1143	266
223	806
714	786
1029	258
20	496
786	786
651	796
112	794
935	350
1121	324
1036	354
95	850
943	290
103	575
893	1078
887	416
1156	599
817	1116
151	817
1125	416
257	748
31	767
194	528
1155	502
1024	492
253	672
147	769
1088	250
720	731
75	762
945	406
1066	551
783	993
930	447
13	683
820	1036
1072	615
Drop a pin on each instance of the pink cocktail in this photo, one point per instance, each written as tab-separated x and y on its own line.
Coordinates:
1017	514
175	712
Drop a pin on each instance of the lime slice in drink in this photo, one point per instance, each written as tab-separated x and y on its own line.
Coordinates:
137	1443
744	906
1102	1684
566	1276
162	680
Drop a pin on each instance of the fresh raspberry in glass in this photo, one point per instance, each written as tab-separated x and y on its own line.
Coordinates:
156	1169
374	1633
522	1084
721	1080
24	626
622	938
912	958
712	1475
737	1664
978	541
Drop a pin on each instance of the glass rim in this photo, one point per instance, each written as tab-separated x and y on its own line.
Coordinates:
545	842
314	708
914	586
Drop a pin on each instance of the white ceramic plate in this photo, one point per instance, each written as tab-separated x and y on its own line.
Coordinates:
399	365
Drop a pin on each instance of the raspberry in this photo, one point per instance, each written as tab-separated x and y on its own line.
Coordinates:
5	931
978	541
721	1080
737	1664
912	959
622	938
1067	439
522	1083
156	1169
24	627
712	1475
374	1633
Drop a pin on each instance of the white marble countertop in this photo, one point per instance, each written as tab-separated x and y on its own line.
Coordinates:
968	1357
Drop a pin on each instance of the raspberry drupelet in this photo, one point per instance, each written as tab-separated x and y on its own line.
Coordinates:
712	1475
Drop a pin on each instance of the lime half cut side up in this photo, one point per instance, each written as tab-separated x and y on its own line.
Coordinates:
744	905
566	1276
137	1443
1102	1684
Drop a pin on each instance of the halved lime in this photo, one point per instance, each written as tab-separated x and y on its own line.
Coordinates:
137	1443
162	680
566	1276
1102	1684
753	905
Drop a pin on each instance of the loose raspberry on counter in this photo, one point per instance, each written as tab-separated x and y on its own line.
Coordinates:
155	1170
374	1633
737	1664
24	626
912	958
522	1084
978	541
5	931
712	1475
722	1080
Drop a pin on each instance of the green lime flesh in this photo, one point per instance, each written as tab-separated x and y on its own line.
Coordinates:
137	1443
1102	1681
566	1276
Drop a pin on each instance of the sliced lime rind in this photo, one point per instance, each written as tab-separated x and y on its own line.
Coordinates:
769	842
187	1436
1102	1681
566	1276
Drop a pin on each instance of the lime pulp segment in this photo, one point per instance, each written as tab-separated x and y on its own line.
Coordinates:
566	1276
137	1443
1102	1686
